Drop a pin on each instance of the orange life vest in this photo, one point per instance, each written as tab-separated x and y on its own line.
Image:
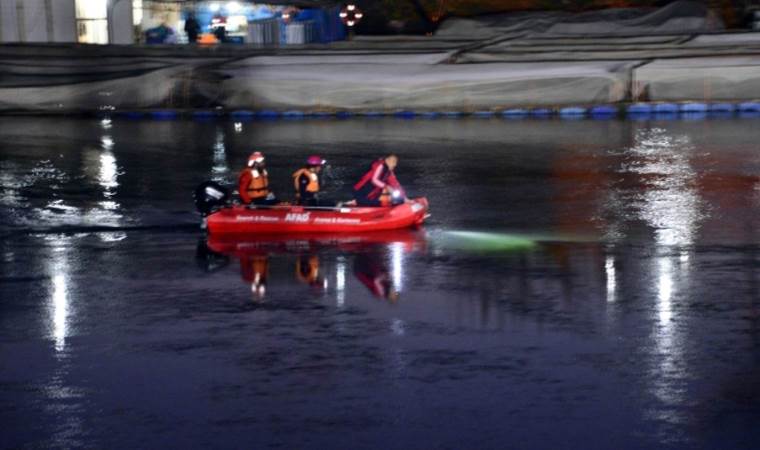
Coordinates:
313	185
258	185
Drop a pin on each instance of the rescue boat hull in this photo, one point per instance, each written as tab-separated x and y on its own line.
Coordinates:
242	220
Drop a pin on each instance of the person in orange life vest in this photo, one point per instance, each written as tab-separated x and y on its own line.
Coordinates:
306	182
253	183
379	186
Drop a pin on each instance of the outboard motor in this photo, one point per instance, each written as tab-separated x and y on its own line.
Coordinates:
210	196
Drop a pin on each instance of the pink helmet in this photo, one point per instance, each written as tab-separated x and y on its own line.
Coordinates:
315	160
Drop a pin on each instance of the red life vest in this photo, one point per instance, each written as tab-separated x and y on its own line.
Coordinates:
387	177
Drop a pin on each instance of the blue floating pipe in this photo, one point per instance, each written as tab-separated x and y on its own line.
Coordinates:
639	109
204	115
429	114
453	114
242	114
573	112
693	107
164	114
405	114
268	114
344	114
483	114
293	114
665	108
603	111
514	113
540	112
749	107
722	107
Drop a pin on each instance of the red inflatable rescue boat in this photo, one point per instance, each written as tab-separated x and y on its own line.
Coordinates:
240	219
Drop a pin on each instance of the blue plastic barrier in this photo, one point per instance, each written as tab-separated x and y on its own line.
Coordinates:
242	114
573	112
515	113
603	111
293	114
344	114
268	114
164	114
749	107
665	108
430	114
453	114
639	108
204	115
483	114
722	107
540	112
405	114
693	107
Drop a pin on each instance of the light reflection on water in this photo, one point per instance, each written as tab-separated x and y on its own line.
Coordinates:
672	207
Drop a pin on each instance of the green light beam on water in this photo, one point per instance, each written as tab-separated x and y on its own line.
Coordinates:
479	241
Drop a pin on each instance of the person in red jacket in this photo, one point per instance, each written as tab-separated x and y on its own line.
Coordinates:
379	186
253	183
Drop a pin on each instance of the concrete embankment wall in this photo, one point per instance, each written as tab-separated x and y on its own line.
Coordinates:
415	74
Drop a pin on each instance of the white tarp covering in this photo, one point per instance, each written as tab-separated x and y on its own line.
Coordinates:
421	86
703	79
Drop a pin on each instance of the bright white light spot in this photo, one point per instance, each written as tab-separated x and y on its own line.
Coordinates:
60	305
340	284
108	172
665	289
351	7
397	264
107	142
105	123
350	23
214	7
238	127
233	7
609	267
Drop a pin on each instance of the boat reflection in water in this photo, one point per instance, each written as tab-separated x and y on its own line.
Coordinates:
377	259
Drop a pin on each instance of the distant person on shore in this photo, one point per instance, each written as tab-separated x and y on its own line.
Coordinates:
192	28
379	186
306	182
253	183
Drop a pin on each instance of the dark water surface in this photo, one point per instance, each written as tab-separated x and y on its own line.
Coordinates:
581	284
